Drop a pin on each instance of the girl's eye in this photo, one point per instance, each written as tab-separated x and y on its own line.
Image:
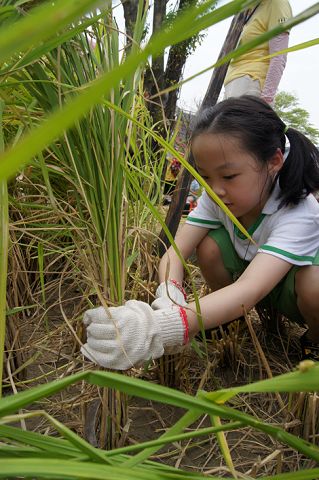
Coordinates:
229	177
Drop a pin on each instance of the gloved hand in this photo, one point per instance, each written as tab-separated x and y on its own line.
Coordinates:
121	337
169	293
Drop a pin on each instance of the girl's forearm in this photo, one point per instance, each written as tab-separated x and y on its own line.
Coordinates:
221	307
170	267
187	239
228	303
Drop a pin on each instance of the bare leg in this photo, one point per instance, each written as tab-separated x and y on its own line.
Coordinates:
307	290
211	264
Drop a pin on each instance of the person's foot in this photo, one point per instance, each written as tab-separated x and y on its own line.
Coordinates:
310	350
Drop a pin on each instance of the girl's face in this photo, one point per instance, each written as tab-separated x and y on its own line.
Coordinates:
235	175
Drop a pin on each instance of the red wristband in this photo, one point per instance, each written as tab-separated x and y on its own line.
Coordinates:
183	315
180	288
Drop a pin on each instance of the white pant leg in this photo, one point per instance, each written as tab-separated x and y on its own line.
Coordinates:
242	86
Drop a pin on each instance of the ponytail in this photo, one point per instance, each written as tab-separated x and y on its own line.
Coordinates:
299	175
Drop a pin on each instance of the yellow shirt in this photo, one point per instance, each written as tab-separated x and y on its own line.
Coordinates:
267	15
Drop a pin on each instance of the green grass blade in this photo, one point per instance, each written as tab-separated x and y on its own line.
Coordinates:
187	419
48	46
312	474
195	405
84	447
223	445
67	469
304	379
40	24
60	447
4	241
57	446
293	48
175	437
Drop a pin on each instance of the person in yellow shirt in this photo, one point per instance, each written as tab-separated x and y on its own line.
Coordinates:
250	75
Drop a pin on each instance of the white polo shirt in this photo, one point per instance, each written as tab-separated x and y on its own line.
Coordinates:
290	233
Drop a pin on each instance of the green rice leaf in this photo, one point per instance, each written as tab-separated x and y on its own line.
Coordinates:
40	24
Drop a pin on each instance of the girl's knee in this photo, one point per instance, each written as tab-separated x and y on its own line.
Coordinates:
208	250
307	285
211	264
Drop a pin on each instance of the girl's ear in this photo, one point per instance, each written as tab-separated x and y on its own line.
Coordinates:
276	162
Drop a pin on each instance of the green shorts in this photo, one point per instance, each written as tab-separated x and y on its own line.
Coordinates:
282	298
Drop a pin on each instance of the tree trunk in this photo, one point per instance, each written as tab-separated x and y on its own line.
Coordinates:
174	70
158	62
154	75
157	78
130	13
173	74
181	191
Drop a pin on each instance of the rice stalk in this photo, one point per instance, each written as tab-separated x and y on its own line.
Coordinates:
304	409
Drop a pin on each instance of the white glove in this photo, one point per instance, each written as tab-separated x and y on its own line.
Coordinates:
121	337
167	294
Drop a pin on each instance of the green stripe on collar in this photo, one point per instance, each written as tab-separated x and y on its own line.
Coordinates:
251	229
206	222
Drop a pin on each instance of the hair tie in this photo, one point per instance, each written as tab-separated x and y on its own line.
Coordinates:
286	129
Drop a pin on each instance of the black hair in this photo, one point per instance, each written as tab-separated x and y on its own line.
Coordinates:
261	132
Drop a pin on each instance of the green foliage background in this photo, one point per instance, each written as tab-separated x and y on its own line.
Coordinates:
288	108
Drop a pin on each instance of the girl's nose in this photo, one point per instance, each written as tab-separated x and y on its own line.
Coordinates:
218	189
